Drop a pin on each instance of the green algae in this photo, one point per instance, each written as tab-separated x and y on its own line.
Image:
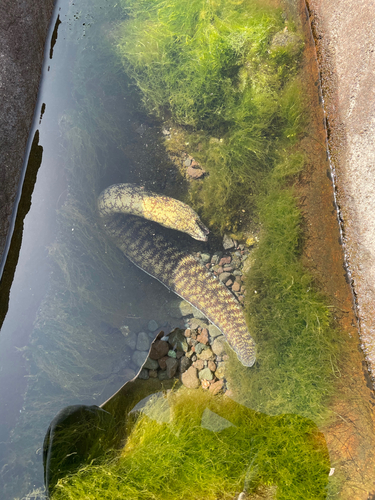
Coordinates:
191	444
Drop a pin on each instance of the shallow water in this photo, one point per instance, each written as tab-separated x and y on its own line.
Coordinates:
77	304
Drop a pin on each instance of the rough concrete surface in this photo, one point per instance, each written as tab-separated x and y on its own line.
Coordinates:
344	31
23	29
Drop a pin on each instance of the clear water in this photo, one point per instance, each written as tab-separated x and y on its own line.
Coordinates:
77	305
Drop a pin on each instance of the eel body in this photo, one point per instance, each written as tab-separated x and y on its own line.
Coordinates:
177	270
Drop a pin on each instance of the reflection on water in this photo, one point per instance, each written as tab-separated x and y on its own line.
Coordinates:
201	102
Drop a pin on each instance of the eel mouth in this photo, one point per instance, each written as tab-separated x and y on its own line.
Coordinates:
204	231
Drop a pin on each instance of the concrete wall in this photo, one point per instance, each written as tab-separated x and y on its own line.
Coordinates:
23	30
344	31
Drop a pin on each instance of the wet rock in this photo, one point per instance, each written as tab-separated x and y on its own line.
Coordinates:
128	374
206	354
159	349
212	366
163	362
236	287
130	337
187	162
227	259
205	257
172	365
185	363
152	325
151	364
216	387
153	373
220	371
202	338
229	282
199	364
200	347
143	374
195	173
206	374
196	323
162	375
214	331
172	354
288	39
187	333
190	378
139	357
224	277
177	340
227	242
198	314
143	341
219	345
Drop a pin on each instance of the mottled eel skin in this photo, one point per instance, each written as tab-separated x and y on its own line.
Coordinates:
178	271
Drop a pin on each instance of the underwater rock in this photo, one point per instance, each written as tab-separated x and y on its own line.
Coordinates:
212	366
185	363
224	277
200	347
214	331
177	340
205	258
206	354
130	337
216	387
152	325
199	364
236	287
227	242
143	374
206	374
143	341
151	364
159	349
195	173
162	362
172	365
227	259
288	39
218	346
202	338
190	378
139	357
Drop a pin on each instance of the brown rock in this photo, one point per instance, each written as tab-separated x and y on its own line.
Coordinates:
159	348
205	355
199	364
236	287
218	346
187	333
190	378
163	362
216	387
153	373
212	366
203	337
195	173
225	260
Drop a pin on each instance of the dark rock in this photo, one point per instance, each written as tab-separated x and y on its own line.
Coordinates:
163	362
159	349
184	364
143	374
172	365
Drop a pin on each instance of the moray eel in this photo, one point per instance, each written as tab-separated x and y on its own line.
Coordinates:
126	210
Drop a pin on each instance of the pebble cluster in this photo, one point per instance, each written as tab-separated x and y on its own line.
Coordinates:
197	354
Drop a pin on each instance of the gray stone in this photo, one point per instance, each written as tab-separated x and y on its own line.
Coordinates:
152	325
195	323
198	314
227	242
187	162
143	374
143	341
178	341
214	331
200	347
205	374
219	346
162	375
151	364
224	277
205	257
139	357
184	364
172	365
130	337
